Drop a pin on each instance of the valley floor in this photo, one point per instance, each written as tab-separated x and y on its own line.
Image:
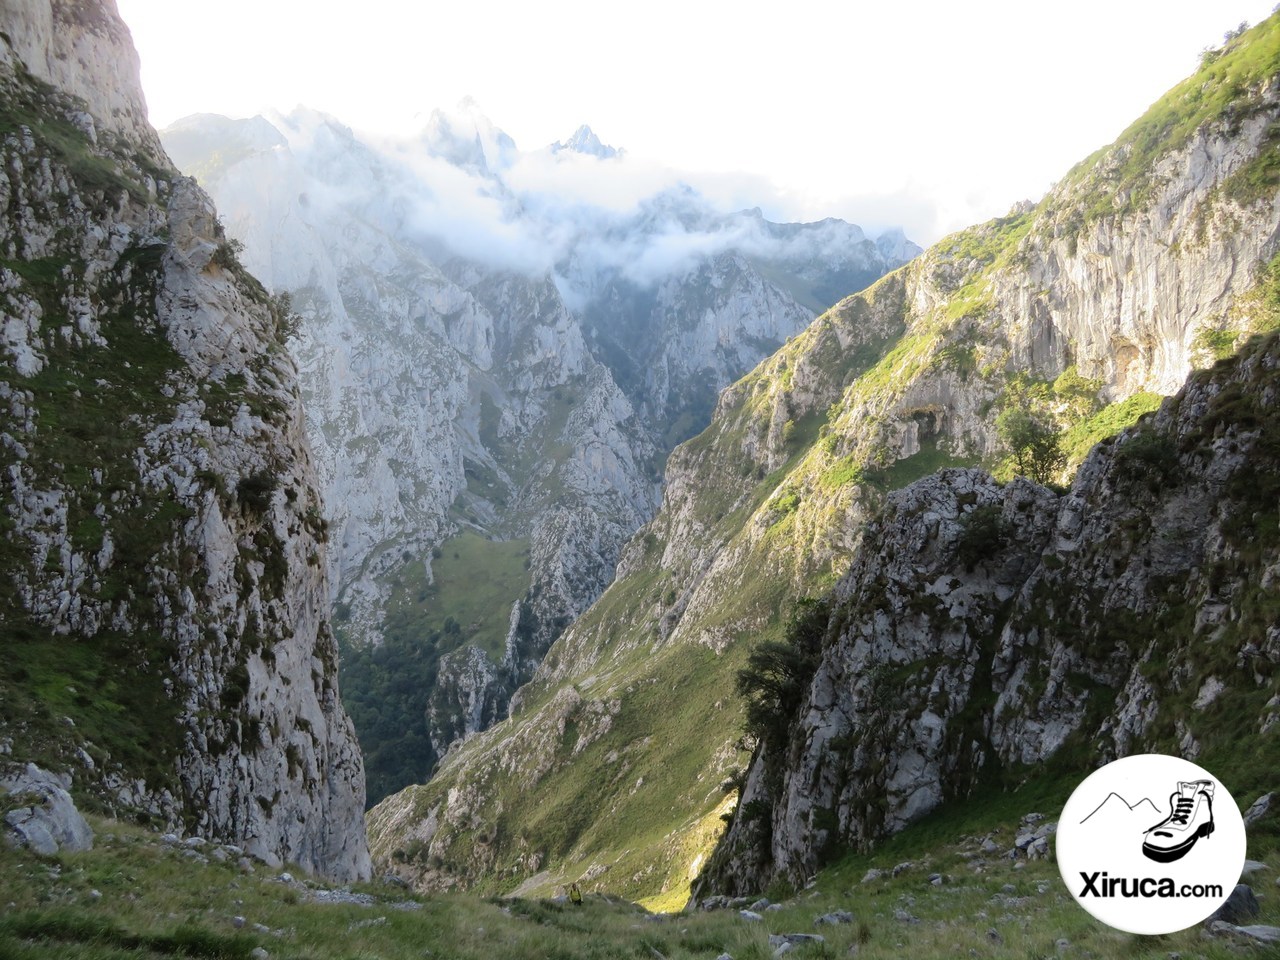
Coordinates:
139	895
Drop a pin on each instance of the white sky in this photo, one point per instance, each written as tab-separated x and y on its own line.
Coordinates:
932	115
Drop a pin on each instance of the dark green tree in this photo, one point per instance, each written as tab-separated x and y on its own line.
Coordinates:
1035	445
778	673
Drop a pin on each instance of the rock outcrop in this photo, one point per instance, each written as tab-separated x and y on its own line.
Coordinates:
989	627
162	561
41	814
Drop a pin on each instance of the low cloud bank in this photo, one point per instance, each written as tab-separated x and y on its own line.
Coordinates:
583	218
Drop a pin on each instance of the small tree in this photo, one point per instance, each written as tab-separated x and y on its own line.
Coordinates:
778	672
1035	446
287	322
983	533
227	254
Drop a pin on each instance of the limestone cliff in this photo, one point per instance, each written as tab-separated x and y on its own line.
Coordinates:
162	564
1150	257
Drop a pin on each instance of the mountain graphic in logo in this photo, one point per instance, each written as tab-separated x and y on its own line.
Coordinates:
1117	810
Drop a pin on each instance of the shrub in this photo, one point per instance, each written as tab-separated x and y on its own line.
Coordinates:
254	491
287	322
983	533
1035	446
227	254
1148	450
778	672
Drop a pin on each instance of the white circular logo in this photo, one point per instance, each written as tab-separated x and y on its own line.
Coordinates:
1151	844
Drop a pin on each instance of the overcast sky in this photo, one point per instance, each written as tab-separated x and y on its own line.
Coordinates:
931	115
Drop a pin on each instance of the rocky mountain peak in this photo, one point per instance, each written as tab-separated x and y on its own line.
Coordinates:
585	141
467	138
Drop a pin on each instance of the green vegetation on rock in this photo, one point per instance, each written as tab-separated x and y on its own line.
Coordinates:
93	405
778	673
1221	90
1078	440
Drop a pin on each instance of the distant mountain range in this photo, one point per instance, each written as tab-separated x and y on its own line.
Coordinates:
837	624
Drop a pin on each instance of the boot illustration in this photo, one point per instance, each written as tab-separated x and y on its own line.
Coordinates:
1190	818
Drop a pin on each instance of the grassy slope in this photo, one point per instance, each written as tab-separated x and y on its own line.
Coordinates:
476	582
1214	91
136	897
777	519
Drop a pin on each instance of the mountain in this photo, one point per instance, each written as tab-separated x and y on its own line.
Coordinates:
584	140
1072	316
163	592
494	373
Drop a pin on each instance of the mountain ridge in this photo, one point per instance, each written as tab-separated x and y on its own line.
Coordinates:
1129	807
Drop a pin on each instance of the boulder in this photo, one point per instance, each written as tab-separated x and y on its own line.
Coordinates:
1240	907
1252	934
1258	809
781	943
1258	932
834	918
48	819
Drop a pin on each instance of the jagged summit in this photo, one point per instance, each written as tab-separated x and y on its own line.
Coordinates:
895	245
467	138
584	140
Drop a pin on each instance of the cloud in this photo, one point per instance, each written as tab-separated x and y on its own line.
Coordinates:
462	183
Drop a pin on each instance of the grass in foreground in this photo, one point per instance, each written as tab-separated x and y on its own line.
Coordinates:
135	896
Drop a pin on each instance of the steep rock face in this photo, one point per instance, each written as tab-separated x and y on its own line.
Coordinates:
984	627
674	345
163	582
85	48
450	395
1149	255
